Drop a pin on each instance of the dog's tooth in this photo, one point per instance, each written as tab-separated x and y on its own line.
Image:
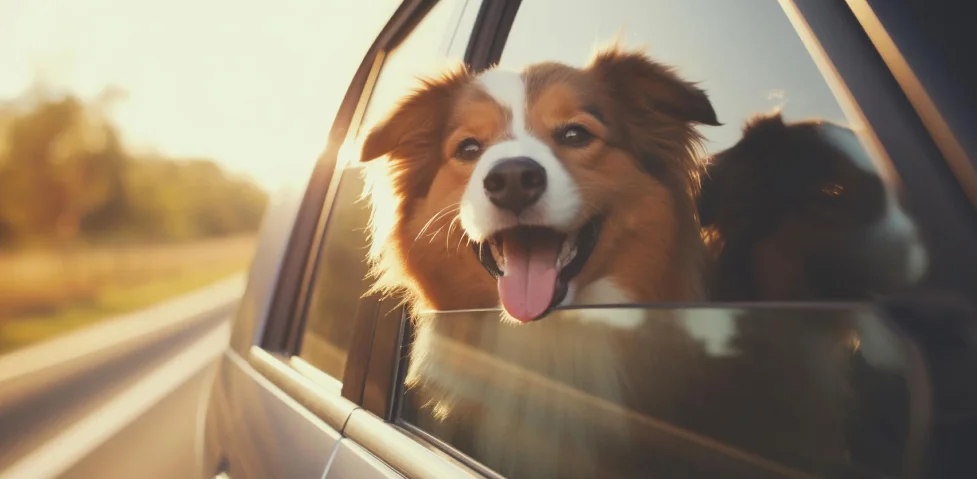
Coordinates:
496	250
567	252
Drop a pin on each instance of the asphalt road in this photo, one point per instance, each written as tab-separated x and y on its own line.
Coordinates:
136	415
160	444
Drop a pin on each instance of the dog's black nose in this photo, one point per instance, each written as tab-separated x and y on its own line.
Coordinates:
515	183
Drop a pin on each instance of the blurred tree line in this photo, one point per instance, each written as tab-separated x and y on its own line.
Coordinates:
66	178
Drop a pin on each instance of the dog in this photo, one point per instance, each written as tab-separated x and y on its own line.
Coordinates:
798	212
530	190
578	181
570	186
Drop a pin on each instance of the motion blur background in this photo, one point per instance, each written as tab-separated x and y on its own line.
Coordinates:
140	141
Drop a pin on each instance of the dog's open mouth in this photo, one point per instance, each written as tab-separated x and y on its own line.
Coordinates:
534	265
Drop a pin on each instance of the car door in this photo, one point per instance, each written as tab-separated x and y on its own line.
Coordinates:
809	59
810	52
288	383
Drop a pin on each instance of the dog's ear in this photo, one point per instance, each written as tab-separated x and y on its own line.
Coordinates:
417	123
764	136
641	85
764	126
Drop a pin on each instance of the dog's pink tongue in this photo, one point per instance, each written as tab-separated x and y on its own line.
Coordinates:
529	282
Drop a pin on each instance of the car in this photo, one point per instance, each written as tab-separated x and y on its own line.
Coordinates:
312	382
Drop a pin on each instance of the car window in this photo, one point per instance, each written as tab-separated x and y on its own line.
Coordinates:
821	389
340	280
696	392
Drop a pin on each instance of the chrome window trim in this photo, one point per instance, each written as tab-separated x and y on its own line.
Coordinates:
409	456
323	402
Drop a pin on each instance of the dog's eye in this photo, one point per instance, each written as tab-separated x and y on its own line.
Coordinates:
833	190
574	135
468	150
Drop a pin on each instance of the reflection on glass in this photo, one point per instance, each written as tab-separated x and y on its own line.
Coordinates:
340	279
631	392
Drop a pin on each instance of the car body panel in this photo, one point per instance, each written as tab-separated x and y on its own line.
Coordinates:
352	461
261	432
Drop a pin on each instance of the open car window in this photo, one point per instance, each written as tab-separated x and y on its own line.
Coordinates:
769	388
780	391
814	389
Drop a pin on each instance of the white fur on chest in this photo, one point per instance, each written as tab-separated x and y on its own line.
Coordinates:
715	328
604	291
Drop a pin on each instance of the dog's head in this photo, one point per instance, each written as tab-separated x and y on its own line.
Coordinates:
801	209
548	179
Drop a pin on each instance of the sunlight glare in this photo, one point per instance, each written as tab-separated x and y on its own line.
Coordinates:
253	85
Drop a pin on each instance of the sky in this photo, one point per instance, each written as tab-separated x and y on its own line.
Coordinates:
745	53
253	85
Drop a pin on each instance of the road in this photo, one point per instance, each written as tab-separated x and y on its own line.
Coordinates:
117	410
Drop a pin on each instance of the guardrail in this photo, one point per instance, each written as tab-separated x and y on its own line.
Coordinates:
48	390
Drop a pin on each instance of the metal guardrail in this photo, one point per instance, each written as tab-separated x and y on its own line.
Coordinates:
49	391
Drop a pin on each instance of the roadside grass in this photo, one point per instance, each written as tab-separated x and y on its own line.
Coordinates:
45	294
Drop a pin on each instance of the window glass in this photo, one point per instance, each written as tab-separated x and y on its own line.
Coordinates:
420	55
826	206
701	392
749	60
340	279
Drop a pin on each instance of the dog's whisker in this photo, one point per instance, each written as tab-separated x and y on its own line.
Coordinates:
461	238
451	225
435	234
440	214
426	226
452	208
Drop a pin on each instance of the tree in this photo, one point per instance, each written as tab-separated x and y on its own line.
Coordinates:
65	176
61	162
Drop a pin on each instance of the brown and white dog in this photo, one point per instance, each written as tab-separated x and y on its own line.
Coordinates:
572	185
551	186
